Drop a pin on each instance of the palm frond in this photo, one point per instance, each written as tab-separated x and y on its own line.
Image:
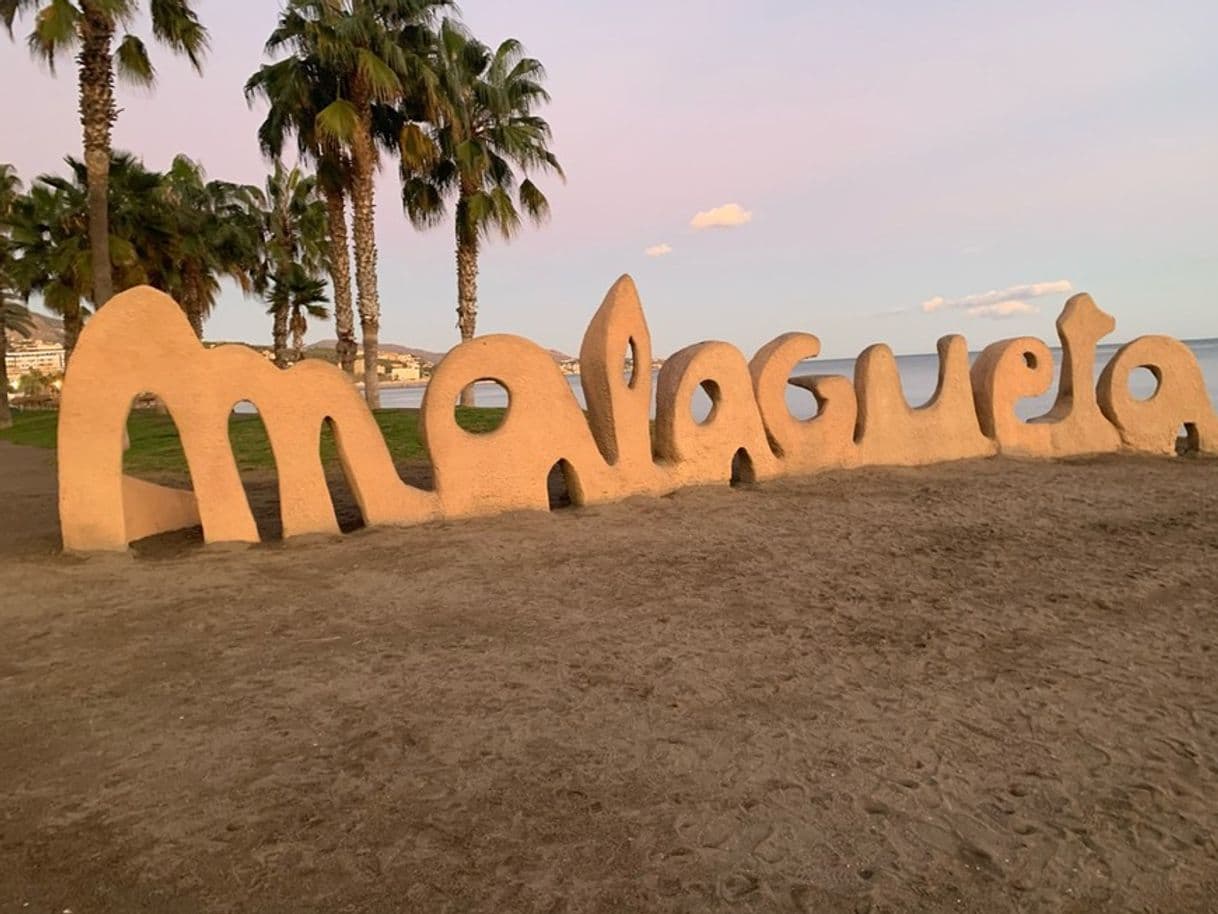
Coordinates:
488	134
338	122
417	148
132	62
15	315
175	23
377	76
55	30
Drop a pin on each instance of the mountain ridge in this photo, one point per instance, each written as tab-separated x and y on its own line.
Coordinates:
47	329
50	330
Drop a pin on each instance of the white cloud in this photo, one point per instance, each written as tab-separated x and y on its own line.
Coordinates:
1012	307
729	215
658	250
977	303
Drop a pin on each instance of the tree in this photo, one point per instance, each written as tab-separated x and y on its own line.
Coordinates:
294	297
377	53
212	230
296	90
14	316
89	27
50	233
306	298
37	385
176	231
485	129
294	229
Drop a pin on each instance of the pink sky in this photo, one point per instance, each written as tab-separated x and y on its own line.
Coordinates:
887	153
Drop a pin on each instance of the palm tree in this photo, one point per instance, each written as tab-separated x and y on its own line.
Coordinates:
294	229
50	231
306	298
10	190
14	316
37	385
89	27
293	297
176	231
485	130
213	231
296	90
376	53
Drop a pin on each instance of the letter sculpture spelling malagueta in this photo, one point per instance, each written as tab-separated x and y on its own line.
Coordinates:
141	342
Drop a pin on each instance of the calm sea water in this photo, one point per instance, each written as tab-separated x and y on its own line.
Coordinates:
919	376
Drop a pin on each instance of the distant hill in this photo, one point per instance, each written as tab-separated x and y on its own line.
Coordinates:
50	330
47	329
426	355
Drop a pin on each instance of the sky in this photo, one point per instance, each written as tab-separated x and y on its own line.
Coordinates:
882	171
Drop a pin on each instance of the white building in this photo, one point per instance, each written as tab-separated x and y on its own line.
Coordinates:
46	358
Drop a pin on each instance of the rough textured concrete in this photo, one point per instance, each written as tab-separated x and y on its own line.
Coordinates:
826	441
1180	400
698	453
1003	374
114	362
892	433
1011	369
607	455
619	408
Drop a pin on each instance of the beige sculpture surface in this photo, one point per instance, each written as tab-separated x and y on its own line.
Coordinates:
891	432
619	408
1179	401
140	343
700	452
1009	370
506	469
804	446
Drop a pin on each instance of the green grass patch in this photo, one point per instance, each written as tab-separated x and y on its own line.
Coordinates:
156	448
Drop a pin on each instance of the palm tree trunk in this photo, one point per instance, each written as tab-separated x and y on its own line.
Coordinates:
299	327
192	304
340	277
6	415
467	285
364	231
195	316
97	117
280	336
73	323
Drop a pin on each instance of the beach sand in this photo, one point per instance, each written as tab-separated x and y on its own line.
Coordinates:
984	686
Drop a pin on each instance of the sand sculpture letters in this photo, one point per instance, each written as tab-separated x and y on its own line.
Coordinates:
142	343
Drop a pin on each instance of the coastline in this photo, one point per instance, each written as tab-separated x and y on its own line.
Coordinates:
423	382
396	385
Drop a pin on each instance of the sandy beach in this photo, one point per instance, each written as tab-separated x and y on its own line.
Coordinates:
982	686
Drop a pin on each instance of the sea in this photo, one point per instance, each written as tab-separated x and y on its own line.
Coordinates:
919	378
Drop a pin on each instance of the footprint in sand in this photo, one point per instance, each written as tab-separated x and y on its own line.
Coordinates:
874	807
737	887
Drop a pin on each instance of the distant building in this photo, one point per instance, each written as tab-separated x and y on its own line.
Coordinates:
400	358
395	366
405	373
23	358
